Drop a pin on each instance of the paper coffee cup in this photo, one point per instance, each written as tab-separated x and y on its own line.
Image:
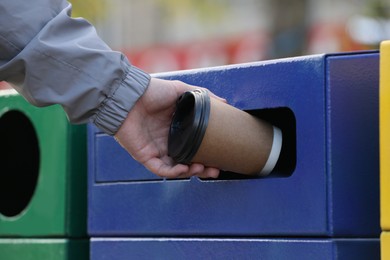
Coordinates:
207	131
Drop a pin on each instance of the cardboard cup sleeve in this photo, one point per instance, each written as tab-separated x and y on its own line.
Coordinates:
208	131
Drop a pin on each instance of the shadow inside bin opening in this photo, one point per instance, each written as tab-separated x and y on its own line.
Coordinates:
284	119
19	162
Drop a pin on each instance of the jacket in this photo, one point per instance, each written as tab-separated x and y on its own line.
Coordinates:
51	58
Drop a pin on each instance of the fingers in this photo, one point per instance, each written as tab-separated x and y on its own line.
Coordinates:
162	169
209	172
201	171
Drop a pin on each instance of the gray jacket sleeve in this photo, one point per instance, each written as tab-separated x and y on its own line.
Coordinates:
51	58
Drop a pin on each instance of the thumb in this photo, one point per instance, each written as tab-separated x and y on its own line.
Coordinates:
183	87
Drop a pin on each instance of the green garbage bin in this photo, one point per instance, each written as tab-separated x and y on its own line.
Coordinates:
42	171
34	249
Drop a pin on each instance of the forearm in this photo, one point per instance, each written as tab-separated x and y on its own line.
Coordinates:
61	60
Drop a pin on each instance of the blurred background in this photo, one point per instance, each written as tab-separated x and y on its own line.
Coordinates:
166	35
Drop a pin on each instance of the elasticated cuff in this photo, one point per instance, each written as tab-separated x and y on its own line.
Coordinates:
116	107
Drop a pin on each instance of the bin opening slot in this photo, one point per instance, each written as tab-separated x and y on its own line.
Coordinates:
19	162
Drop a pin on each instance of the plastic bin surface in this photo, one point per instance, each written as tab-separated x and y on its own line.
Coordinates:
385	134
333	190
56	203
33	249
385	245
300	249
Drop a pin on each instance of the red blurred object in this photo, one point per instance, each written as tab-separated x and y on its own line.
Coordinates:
248	47
331	37
4	85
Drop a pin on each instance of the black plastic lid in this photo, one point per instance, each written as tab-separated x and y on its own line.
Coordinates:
188	125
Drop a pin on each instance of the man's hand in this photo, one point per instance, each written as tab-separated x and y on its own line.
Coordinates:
144	133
